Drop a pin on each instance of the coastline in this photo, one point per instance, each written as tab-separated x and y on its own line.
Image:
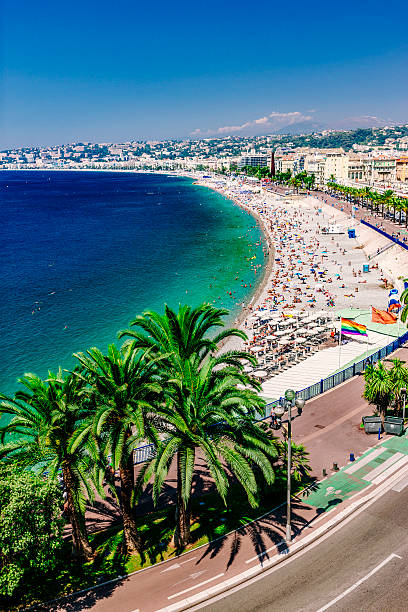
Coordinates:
267	268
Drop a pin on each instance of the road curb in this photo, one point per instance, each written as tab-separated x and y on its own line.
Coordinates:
191	603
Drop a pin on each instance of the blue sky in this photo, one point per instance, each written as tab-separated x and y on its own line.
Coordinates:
99	71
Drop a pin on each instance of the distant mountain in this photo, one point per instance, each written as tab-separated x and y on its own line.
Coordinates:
365	121
301	127
347	123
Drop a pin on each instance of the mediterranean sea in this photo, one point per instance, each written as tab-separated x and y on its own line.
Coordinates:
82	253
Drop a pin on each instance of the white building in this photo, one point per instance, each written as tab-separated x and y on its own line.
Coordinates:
255	160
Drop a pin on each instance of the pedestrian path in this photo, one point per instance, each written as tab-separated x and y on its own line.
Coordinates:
372	468
321	365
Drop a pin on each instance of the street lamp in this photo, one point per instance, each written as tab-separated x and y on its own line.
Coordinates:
290	402
404	392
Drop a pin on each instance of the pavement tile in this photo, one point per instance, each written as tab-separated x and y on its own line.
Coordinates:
340	486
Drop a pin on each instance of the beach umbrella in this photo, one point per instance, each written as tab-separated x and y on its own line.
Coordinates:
257	349
283	341
261	374
285	322
312	332
282	332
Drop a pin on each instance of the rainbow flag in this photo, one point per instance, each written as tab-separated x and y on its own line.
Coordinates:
352	328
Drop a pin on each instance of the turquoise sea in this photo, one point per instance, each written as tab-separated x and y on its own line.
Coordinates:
82	253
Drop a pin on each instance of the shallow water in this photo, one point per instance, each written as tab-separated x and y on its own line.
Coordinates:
82	253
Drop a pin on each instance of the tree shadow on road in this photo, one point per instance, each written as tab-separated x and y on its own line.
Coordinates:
265	534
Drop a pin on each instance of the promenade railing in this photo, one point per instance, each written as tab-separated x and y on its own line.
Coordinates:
147	452
380	231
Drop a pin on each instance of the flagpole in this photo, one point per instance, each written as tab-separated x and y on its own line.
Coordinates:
340	344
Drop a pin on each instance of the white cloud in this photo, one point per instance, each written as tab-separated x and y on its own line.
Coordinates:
274	120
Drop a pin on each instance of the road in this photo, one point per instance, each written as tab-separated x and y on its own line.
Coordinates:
360	567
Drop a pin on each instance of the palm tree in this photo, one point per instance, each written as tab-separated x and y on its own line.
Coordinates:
40	435
386	199
378	387
400	206
123	390
404	301
210	404
366	194
207	412
399	380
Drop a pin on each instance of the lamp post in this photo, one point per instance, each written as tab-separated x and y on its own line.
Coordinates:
290	402
404	392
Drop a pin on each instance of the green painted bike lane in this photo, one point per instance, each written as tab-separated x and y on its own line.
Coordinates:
371	468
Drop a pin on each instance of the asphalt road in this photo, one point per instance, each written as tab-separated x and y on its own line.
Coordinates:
362	566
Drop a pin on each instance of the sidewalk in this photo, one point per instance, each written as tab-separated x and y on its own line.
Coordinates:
372	468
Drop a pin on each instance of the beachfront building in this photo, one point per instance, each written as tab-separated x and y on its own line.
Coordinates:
255	160
315	164
401	169
335	164
381	170
356	169
283	163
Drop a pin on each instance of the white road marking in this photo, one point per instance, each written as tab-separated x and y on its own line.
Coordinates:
177	565
262	554
393	468
357	584
400	486
196	586
362	462
380	468
227	587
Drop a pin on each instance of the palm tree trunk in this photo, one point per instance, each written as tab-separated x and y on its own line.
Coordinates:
130	531
81	545
183	514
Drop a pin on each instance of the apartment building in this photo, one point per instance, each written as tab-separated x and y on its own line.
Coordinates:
401	169
254	160
315	164
283	163
335	164
381	170
356	168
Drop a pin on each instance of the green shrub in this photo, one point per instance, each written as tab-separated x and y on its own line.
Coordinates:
30	530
